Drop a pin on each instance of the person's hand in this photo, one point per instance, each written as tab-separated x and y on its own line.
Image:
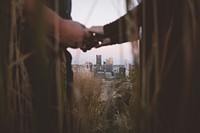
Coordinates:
73	33
98	34
97	29
97	39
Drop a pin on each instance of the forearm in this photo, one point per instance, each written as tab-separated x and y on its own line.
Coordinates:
65	31
35	10
126	27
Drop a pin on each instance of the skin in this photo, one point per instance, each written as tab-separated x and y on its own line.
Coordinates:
71	33
97	29
100	31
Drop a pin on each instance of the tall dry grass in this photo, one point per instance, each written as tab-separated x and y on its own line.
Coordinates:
17	96
25	107
16	104
165	87
99	108
88	106
168	100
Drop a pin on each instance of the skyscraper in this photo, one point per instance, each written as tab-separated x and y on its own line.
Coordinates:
98	60
109	61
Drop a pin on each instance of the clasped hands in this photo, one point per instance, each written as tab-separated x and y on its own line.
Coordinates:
76	35
97	39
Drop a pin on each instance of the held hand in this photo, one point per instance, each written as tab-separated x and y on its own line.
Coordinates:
95	41
97	29
73	33
98	33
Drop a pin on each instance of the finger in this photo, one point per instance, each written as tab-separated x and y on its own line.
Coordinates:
83	26
104	42
87	34
86	37
97	29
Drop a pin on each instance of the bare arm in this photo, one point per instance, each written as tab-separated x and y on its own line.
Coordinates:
69	32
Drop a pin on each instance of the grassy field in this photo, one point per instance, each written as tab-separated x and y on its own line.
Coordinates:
162	97
99	108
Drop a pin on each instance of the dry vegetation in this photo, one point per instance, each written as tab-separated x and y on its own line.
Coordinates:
22	111
164	97
94	114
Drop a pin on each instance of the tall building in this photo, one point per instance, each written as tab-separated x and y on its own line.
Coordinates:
109	61
98	60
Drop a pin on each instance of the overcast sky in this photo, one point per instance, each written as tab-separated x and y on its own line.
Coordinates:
100	12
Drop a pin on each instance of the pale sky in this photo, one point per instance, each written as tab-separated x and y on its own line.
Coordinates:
100	12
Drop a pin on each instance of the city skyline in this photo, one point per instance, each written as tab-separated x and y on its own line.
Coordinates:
100	12
100	60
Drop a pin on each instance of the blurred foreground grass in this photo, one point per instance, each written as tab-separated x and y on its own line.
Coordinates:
101	108
164	92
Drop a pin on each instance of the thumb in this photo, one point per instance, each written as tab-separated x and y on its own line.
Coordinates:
97	29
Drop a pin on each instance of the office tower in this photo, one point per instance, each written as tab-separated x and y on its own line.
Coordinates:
109	61
98	60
